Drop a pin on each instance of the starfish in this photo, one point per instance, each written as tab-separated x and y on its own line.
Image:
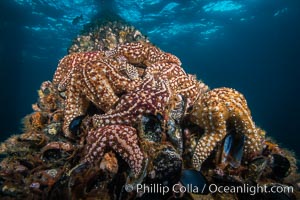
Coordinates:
120	138
90	77
76	62
152	96
161	65
70	63
142	53
189	87
179	81
215	111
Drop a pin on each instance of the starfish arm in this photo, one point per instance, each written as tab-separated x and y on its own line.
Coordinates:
165	70
180	82
75	106
64	70
147	98
126	68
61	70
254	143
206	145
97	87
143	53
215	111
245	124
121	82
69	64
134	52
122	139
212	120
188	86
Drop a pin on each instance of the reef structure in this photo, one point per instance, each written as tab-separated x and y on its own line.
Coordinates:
121	112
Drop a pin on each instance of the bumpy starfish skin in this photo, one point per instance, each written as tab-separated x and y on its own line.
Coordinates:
122	139
128	69
90	77
77	62
165	70
71	63
142	53
150	97
189	87
161	65
180	82
216	109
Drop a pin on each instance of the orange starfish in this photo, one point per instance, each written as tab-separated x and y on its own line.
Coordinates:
215	111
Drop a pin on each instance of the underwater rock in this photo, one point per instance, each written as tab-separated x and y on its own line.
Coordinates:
167	167
105	35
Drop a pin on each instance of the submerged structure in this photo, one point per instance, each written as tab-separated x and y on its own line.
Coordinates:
121	119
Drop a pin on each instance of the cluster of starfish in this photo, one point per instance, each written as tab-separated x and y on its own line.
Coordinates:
137	79
91	77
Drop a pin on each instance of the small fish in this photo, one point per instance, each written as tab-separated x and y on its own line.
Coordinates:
77	19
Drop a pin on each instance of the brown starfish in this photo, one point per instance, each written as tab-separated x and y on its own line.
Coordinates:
90	77
120	138
152	96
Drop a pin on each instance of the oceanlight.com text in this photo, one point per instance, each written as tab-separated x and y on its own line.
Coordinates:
211	188
250	189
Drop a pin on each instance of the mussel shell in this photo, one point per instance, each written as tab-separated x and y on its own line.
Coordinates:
280	166
151	127
233	149
52	154
35	139
256	168
167	166
80	181
55	155
75	125
174	134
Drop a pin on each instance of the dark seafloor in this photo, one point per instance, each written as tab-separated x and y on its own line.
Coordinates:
253	47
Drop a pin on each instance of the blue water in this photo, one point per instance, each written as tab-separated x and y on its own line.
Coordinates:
252	46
